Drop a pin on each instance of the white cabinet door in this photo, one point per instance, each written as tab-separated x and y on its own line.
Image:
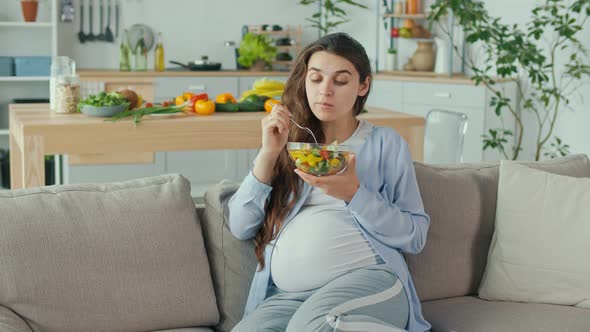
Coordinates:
386	94
111	173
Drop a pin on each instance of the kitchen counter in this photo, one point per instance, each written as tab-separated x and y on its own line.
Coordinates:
112	73
35	131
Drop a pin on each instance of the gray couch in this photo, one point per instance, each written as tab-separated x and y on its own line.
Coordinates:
138	256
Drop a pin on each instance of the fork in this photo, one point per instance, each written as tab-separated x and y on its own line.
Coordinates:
300	126
304	128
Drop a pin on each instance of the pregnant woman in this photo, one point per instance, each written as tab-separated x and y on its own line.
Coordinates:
329	248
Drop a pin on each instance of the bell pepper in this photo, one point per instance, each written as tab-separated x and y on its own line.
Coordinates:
204	107
225	98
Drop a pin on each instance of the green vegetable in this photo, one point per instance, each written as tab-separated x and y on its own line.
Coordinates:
226	107
137	114
104	99
256	47
246	106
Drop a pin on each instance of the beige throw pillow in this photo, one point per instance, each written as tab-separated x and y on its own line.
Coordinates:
539	251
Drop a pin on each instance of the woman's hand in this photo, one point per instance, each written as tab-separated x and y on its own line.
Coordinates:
275	129
342	186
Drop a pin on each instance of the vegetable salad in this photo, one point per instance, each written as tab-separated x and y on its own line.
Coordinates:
319	161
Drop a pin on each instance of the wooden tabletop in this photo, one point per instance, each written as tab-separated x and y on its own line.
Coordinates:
35	131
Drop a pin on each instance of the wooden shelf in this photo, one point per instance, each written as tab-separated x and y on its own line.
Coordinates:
24	78
419	16
279	32
285	47
27	24
283	62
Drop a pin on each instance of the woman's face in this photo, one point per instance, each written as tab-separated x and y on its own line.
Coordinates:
332	86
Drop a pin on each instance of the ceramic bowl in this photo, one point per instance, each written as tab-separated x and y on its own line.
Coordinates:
102	111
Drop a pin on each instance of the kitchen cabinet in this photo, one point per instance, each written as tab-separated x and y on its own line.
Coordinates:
459	95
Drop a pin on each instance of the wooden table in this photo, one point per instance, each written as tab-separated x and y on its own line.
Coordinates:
35	132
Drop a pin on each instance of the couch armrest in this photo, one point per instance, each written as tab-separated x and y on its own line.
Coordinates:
232	261
11	322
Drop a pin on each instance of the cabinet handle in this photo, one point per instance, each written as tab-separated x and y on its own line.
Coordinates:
442	94
200	87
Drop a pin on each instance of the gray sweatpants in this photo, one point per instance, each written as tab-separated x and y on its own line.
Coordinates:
369	299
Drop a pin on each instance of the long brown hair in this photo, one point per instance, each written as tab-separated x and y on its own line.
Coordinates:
286	184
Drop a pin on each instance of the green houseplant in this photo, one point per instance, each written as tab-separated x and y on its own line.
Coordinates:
256	51
330	13
529	51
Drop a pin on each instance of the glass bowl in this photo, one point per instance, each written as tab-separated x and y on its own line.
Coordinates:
319	159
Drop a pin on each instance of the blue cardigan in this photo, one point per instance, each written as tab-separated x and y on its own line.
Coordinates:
387	208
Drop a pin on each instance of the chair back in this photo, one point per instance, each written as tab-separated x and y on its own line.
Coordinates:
444	134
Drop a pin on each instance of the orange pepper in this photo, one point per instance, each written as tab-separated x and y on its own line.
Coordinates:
269	103
225	98
205	107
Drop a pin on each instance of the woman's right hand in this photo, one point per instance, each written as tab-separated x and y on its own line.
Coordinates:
275	129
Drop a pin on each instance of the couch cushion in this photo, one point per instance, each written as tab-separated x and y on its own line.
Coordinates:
461	203
125	256
539	244
233	262
11	322
469	314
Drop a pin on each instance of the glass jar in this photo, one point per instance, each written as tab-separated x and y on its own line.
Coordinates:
67	93
60	66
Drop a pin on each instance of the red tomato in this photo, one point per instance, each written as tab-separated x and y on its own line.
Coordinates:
325	154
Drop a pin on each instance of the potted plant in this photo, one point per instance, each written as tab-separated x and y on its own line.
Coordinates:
330	14
544	55
391	59
256	52
29	8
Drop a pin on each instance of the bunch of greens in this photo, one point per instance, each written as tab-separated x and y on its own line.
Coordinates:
137	114
104	99
255	47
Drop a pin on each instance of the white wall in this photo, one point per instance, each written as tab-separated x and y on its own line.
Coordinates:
192	28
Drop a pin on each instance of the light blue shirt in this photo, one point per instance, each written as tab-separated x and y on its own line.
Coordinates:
387	208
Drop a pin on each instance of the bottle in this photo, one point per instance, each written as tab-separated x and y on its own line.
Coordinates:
124	55
159	64
141	54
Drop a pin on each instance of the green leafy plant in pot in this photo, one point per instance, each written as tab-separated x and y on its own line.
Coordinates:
256	52
330	13
532	52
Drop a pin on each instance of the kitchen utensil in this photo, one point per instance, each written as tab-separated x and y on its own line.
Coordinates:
67	11
207	66
81	34
117	18
138	31
90	36
304	128
101	36
109	33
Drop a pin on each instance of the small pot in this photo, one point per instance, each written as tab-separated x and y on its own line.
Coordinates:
29	9
258	65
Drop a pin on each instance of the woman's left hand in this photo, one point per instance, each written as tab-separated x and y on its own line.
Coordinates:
342	186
